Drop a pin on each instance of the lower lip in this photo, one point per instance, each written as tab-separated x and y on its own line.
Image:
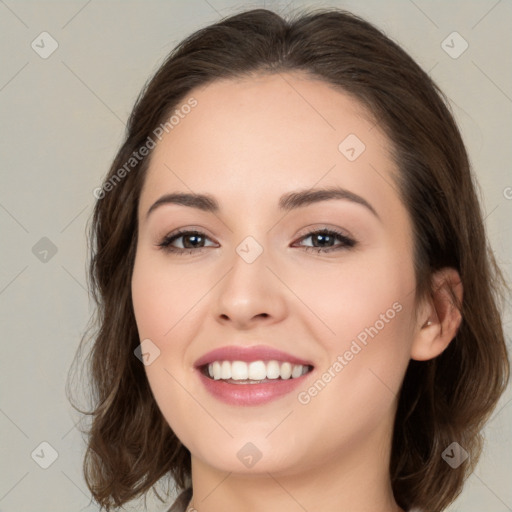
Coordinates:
251	394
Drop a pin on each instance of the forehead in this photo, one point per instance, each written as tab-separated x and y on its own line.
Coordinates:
252	139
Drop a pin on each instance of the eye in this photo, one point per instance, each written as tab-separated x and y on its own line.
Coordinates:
324	237
193	240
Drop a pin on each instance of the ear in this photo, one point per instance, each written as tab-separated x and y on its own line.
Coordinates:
440	317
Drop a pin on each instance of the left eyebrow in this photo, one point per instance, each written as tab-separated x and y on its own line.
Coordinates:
306	197
287	202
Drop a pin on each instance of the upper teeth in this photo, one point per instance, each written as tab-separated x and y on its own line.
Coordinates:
255	370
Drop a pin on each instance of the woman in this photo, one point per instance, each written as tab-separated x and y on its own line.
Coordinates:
297	306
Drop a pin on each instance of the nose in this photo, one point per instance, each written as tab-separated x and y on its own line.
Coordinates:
250	294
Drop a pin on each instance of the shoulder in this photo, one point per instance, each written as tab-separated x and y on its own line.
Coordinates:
181	502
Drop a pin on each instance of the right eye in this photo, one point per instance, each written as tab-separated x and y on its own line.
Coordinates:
194	237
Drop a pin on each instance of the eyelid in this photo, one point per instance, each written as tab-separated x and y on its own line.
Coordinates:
307	230
346	240
181	232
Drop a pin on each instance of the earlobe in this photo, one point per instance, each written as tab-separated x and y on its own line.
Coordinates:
442	317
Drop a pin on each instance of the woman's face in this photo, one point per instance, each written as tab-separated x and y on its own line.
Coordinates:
253	277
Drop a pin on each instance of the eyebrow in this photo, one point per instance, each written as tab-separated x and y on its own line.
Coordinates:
287	202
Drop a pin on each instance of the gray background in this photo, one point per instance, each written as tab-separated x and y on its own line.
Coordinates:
62	122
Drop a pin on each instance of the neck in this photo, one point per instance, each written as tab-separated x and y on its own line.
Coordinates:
348	481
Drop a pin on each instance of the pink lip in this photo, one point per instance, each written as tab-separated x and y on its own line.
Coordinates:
248	354
249	394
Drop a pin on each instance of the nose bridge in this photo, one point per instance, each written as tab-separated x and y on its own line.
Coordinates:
249	289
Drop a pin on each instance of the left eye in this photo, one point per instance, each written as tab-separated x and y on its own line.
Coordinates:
324	237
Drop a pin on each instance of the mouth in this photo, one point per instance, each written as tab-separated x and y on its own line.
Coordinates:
254	372
254	375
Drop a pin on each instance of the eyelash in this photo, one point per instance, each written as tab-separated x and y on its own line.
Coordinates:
347	242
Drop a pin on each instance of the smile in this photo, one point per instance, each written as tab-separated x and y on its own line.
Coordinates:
254	375
241	372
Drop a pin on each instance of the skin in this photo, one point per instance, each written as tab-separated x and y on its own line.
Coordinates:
247	142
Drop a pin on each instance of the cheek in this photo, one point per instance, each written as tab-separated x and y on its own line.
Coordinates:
148	296
361	291
365	333
167	303
163	298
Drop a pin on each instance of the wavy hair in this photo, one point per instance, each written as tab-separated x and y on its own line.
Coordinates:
130	446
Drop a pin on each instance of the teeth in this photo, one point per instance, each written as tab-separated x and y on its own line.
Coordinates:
239	370
273	370
225	372
255	370
216	370
286	371
297	371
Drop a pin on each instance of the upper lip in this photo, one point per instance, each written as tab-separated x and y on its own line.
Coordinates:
248	354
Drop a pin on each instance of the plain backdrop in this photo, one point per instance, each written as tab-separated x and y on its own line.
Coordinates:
62	120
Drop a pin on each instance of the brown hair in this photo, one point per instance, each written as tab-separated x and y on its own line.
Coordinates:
447	399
